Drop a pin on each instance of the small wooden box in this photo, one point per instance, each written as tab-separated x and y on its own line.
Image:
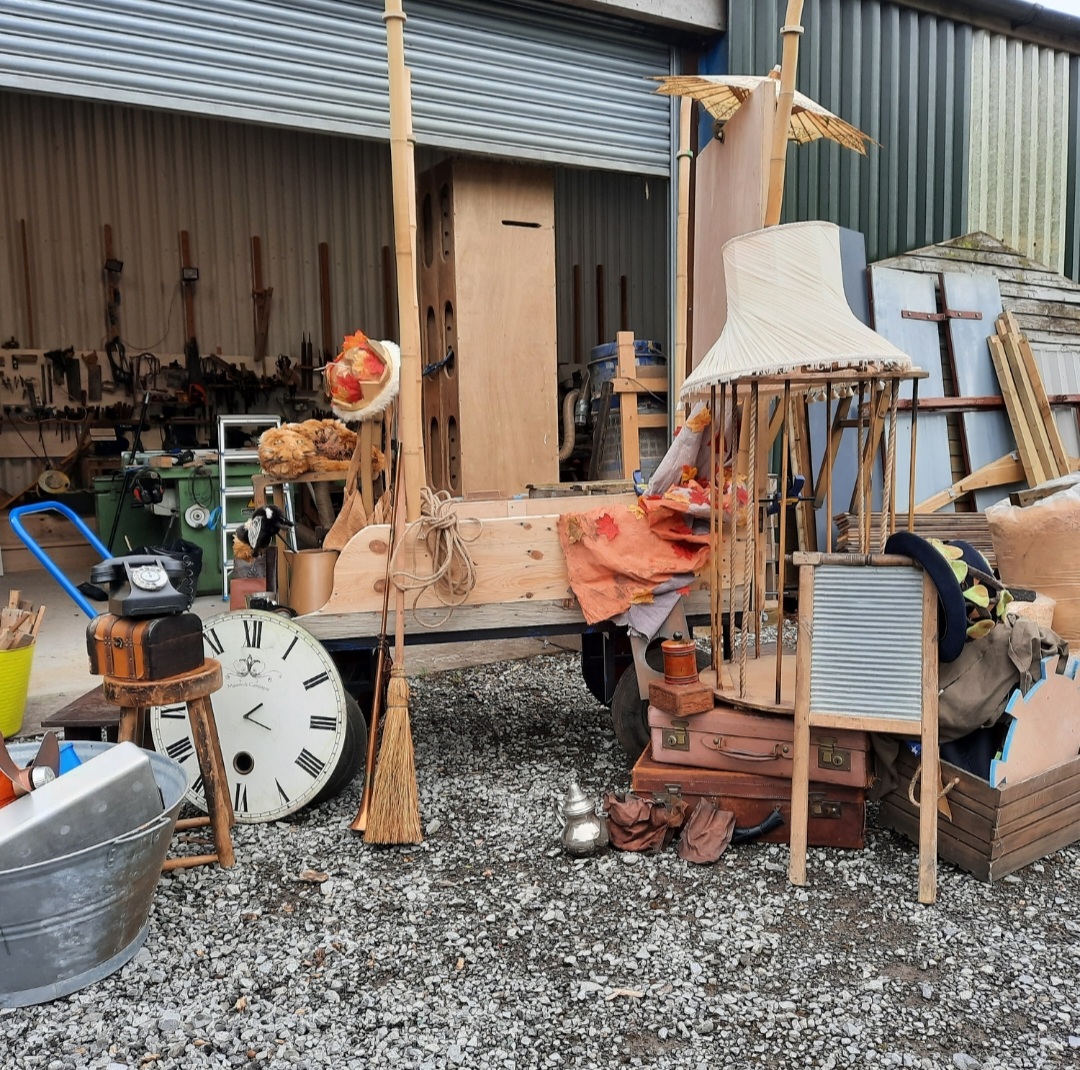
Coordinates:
152	648
994	831
681	700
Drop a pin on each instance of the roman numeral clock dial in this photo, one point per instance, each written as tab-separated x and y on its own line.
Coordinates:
282	717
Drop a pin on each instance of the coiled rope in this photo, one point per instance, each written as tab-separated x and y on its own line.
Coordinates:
453	574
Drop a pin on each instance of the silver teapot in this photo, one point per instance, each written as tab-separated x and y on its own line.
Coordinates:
585	830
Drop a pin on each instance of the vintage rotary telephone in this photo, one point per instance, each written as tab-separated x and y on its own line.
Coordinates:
142	585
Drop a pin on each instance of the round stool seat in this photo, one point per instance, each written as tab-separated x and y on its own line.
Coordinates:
144	693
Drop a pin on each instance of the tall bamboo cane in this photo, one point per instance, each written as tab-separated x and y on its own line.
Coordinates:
404	183
791	31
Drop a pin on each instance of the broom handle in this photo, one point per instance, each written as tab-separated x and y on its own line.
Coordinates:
410	415
359	823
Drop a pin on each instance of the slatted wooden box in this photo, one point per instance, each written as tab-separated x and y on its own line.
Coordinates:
994	831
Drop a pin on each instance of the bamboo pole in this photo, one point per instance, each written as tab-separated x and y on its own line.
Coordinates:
682	259
914	436
791	31
402	168
829	460
783	545
716	531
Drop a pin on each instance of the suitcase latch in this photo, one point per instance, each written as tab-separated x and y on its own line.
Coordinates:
830	756
676	736
822	807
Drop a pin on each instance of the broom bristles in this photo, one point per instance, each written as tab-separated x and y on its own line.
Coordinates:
395	803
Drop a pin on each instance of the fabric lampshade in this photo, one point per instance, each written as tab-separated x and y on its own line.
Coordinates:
786	311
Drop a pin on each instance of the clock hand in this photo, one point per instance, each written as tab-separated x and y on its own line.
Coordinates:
248	717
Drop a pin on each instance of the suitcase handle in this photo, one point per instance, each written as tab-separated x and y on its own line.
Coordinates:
746	755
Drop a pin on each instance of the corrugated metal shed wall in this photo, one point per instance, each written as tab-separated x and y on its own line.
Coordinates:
619	222
909	92
1072	185
74	166
1019	145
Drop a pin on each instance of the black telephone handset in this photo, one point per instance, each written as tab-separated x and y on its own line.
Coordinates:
142	585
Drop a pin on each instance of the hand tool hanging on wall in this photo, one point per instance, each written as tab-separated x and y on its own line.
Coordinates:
307	361
329	346
261	296
27	286
114	347
93	376
189	275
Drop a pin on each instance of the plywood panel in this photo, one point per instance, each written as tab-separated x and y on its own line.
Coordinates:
987	435
730	191
892	292
504	248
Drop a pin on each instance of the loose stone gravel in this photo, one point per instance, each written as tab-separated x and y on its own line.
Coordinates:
487	947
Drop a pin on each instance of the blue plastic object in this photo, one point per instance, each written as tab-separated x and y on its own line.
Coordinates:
68	758
16	516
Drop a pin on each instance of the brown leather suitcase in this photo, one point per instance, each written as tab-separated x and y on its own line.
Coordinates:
837	813
760	743
139	648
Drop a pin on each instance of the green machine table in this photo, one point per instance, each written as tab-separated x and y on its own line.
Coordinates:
154	526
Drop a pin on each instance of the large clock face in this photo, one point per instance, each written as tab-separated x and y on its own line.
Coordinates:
280	713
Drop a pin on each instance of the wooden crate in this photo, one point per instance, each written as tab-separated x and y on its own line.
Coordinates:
994	831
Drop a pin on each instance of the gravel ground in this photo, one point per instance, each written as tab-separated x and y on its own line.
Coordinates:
488	947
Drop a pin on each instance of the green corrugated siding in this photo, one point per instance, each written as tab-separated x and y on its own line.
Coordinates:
902	76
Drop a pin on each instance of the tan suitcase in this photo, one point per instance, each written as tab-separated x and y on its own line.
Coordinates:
742	742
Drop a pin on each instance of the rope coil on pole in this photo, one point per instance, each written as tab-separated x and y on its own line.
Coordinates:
453	574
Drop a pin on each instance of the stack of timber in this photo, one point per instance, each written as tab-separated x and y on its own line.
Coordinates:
1038	441
19	623
971	527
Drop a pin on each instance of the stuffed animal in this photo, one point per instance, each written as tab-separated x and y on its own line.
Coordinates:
312	446
362	380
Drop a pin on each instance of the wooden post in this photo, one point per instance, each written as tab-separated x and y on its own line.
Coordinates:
601	325
682	261
783	544
931	774
410	423
716	523
800	764
791	31
628	405
329	347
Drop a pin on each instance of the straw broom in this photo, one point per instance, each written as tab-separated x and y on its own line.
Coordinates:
394	816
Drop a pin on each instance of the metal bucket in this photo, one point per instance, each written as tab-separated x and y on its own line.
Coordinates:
73	920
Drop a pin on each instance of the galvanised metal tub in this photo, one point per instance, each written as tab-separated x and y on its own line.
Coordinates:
73	920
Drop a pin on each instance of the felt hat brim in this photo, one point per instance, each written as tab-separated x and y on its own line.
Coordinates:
952	617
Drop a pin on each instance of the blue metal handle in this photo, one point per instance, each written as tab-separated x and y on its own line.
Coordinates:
16	516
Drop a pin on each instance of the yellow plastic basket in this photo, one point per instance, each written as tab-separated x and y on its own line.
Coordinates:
14	685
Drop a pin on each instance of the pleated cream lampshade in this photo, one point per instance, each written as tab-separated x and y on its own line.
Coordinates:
786	311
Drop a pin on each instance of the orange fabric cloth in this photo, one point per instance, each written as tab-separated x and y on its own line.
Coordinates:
617	557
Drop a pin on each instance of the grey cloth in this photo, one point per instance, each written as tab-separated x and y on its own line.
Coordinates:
974	689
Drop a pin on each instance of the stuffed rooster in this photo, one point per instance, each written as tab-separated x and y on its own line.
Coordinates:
362	380
259	530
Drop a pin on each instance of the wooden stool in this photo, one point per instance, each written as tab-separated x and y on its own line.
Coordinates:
135	697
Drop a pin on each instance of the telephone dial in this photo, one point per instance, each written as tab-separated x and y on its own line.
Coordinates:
142	585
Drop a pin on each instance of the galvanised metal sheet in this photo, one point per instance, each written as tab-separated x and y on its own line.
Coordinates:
900	75
508	79
1019	145
866	654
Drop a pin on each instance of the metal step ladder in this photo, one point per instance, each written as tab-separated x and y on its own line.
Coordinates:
234	486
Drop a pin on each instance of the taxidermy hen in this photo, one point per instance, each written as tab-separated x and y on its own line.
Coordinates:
259	530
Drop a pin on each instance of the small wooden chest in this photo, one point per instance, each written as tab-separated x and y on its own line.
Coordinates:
139	648
994	831
837	813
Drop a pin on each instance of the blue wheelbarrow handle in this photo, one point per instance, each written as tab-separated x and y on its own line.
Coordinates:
16	516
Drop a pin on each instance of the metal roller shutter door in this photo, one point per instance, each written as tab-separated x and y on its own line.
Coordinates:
507	79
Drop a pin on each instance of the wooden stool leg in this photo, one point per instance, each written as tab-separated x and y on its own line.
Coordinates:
128	732
212	766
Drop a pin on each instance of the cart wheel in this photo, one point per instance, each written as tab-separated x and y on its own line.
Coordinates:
630	712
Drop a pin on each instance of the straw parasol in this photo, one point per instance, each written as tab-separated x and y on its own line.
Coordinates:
721	95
